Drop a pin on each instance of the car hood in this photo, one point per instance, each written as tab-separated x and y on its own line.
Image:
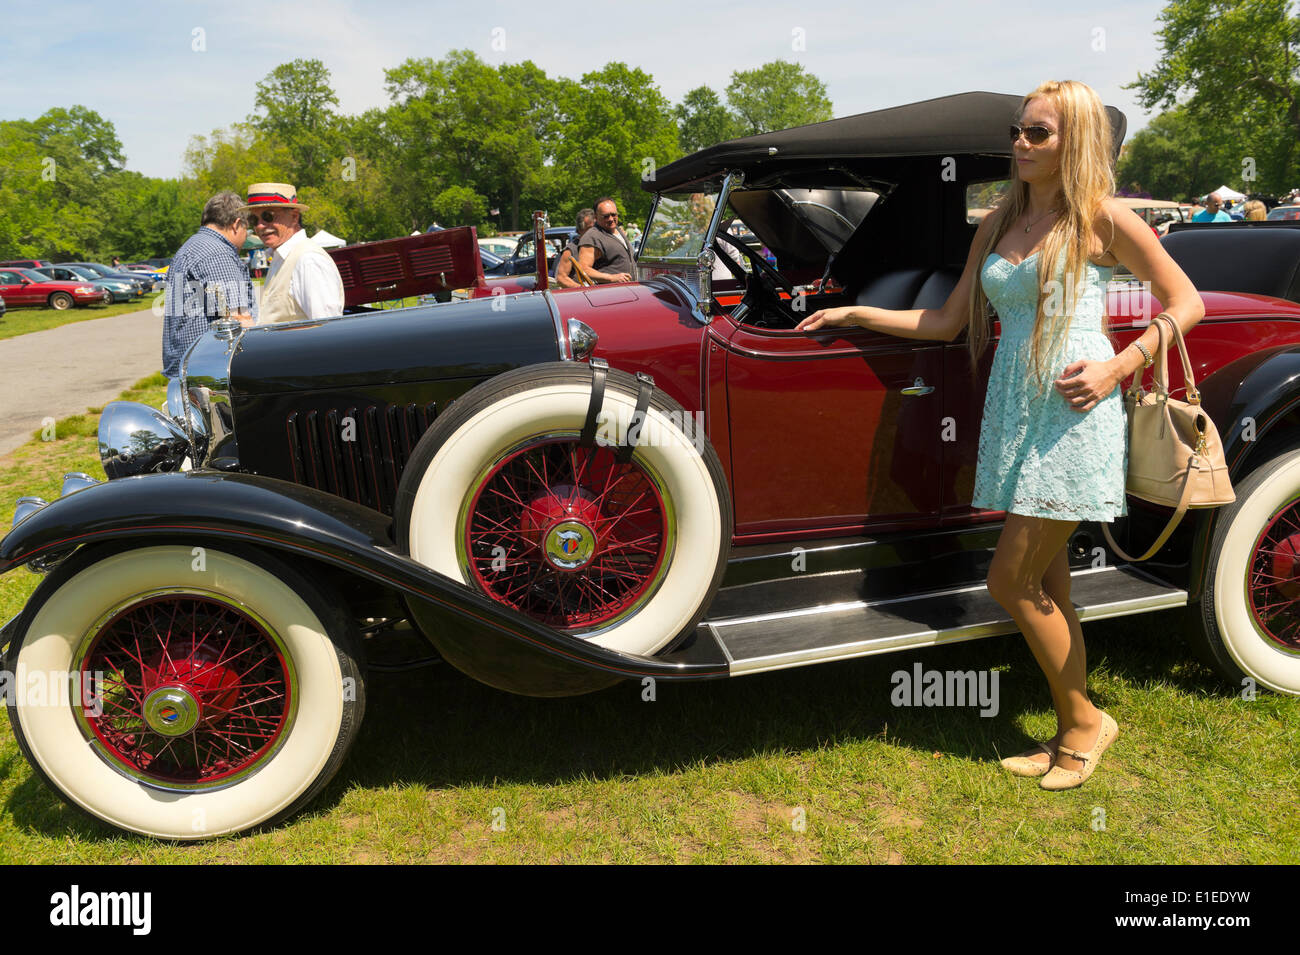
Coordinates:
461	339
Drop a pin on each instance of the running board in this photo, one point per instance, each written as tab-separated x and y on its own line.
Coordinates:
840	631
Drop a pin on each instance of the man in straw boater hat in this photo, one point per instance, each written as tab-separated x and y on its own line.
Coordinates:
303	281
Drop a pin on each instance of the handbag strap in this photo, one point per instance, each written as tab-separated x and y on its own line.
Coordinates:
1169	528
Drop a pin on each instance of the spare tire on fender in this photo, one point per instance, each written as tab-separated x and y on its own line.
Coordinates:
625	550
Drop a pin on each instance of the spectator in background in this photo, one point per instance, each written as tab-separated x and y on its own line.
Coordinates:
604	252
1213	211
206	280
563	268
117	263
303	282
1255	211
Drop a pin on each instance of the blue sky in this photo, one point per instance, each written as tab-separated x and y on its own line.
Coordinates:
136	63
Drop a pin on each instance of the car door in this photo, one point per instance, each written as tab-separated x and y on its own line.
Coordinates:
524	259
963	405
832	432
13	289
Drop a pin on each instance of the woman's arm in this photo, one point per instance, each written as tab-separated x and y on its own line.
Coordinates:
1084	383
935	324
1144	256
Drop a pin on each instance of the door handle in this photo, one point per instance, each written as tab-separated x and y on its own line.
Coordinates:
918	387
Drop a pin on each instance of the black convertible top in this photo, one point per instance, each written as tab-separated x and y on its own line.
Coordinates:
964	123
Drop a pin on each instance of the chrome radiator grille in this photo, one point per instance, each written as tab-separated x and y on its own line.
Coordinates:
357	453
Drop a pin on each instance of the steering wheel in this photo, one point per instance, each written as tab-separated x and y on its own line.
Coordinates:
768	277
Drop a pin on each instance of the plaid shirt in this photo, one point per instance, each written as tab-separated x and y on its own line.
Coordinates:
205	274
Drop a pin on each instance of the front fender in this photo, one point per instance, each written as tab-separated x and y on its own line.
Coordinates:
213	505
1264	390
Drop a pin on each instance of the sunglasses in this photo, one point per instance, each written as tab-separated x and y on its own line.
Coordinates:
268	216
1034	135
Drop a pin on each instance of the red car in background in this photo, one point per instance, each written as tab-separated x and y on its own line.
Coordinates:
21	287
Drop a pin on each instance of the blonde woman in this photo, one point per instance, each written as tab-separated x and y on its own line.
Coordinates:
1052	448
1255	211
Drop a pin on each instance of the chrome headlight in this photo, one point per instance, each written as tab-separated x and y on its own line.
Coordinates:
135	439
205	374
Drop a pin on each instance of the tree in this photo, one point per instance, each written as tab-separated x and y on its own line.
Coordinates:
1237	60
295	99
617	127
703	120
1176	157
777	95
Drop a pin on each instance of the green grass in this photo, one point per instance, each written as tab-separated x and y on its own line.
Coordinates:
718	772
20	321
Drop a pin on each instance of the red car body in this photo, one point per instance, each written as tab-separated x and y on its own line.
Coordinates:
24	287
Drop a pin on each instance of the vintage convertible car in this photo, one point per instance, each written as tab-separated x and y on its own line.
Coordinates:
559	490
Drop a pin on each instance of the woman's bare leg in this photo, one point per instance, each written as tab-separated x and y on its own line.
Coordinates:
1029	577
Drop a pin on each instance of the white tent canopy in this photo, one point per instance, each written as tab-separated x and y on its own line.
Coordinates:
1227	192
327	241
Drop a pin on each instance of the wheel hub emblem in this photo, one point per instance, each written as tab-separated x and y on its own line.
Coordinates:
570	544
171	710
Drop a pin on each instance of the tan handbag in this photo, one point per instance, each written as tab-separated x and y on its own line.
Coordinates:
1175	457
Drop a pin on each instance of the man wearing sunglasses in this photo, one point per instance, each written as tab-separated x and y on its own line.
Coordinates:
303	281
604	252
206	280
1213	211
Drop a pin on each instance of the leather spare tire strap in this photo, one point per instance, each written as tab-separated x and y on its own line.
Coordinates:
645	387
599	368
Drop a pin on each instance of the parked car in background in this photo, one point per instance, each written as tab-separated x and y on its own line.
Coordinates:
117	290
501	246
145	280
1283	213
522	260
24	264
661	478
1157	213
31	288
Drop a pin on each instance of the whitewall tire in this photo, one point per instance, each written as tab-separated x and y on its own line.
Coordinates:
501	495
228	693
1250	608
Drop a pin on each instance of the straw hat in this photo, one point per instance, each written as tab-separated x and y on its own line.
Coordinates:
270	195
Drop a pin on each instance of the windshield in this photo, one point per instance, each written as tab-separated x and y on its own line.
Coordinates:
680	224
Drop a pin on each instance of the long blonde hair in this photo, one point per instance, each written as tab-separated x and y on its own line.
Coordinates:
1087	180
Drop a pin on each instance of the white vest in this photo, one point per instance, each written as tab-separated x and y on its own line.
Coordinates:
277	303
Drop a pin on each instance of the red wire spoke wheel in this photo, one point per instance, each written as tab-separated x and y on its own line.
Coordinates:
501	495
566	534
211	689
1275	579
190	690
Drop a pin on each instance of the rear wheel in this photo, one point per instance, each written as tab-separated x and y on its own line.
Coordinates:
502	495
189	692
61	301
1249	613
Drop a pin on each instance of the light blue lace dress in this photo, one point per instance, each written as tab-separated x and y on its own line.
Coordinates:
1037	455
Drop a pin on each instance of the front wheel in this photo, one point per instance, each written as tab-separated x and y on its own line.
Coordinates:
188	692
1249	613
61	301
503	494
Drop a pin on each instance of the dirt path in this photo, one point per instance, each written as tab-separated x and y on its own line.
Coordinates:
65	370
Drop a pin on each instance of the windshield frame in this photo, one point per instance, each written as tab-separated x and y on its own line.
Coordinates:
725	183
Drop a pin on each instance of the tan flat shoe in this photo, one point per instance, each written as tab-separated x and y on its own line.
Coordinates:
1059	778
1022	765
